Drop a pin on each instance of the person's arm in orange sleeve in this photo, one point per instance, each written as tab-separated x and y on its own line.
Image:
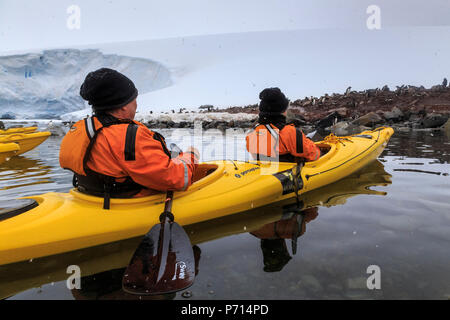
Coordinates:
300	146
310	150
153	168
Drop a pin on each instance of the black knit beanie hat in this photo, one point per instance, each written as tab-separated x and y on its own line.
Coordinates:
273	101
107	89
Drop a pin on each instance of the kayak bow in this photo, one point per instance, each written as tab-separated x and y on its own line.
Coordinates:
18	130
26	141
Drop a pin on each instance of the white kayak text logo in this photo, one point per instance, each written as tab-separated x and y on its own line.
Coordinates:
182	267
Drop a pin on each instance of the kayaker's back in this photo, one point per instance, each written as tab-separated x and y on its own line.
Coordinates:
288	144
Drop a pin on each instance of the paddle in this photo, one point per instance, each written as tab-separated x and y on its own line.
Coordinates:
298	185
297	180
311	134
297	232
300	217
164	260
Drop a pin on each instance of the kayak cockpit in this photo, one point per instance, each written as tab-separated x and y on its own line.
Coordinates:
12	208
203	170
324	148
205	174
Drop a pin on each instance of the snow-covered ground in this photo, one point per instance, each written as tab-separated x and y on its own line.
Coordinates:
229	69
169	116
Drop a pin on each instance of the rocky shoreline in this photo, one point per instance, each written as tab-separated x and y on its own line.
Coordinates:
406	108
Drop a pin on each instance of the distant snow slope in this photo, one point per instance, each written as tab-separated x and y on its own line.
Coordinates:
47	84
230	69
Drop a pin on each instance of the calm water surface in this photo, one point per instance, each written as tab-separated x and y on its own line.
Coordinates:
394	214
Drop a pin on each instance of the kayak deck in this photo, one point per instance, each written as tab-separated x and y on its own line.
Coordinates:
26	141
18	130
346	155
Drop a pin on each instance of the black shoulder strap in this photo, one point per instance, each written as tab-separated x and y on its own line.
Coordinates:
161	139
108	120
299	140
130	142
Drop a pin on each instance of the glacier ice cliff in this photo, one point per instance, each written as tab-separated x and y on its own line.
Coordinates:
46	85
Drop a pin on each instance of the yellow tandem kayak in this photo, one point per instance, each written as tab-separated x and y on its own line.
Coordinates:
8	150
18	130
63	222
26	141
20	276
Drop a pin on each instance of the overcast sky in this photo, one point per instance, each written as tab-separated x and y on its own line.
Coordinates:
26	24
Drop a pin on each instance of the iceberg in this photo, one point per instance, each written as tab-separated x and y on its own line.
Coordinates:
46	85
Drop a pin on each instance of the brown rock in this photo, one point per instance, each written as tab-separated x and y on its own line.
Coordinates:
434	120
368	119
394	114
447	128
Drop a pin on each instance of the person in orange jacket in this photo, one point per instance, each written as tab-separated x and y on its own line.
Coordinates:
111	154
275	140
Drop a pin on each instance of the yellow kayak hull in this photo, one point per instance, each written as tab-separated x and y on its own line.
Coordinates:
18	130
64	222
26	141
8	150
20	276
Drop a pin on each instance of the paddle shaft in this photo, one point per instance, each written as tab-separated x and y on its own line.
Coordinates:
296	177
167	213
168	205
163	245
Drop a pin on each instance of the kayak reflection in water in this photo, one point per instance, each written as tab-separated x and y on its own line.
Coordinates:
108	285
273	235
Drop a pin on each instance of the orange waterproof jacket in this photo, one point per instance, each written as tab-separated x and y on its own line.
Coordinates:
125	150
267	142
151	166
